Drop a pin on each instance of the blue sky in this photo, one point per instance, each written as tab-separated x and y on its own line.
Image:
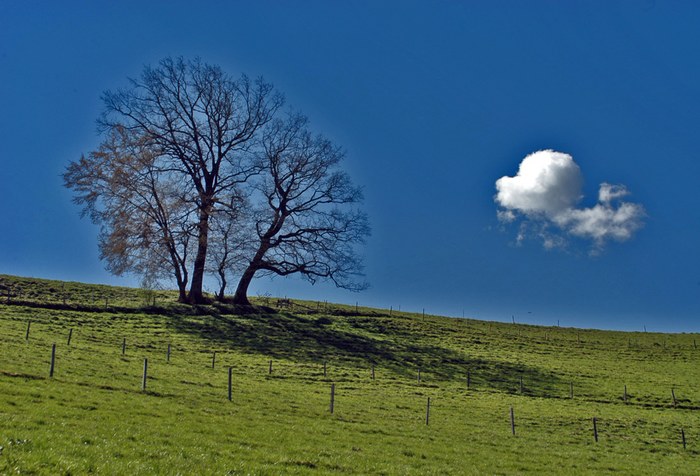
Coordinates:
433	102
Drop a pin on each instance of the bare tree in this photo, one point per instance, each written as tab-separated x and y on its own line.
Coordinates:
146	224
195	175
202	126
308	222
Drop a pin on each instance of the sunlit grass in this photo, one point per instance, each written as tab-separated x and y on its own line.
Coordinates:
93	416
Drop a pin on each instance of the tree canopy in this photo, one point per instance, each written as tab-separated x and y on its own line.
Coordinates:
200	173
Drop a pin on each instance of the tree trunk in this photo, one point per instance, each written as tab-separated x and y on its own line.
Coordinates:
222	289
182	294
180	278
196	295
241	296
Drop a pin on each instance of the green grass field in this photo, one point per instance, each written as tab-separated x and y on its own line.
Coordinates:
93	416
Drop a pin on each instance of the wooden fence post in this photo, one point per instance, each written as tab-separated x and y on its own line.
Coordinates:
673	395
29	324
624	395
332	397
595	429
213	359
512	421
53	359
427	413
145	374
168	357
70	336
521	384
230	378
683	437
124	346
270	369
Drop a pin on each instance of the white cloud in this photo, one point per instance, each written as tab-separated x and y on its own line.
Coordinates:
545	193
610	192
506	216
603	221
547	182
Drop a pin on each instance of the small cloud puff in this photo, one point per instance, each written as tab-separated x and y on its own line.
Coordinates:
608	193
545	193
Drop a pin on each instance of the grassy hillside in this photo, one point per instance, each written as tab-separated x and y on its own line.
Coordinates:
94	416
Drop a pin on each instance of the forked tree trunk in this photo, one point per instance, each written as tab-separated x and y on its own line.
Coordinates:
180	277
221	270
222	289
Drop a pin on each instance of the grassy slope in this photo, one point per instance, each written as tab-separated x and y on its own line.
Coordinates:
93	417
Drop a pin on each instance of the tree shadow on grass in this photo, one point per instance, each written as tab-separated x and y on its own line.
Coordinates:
313	339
